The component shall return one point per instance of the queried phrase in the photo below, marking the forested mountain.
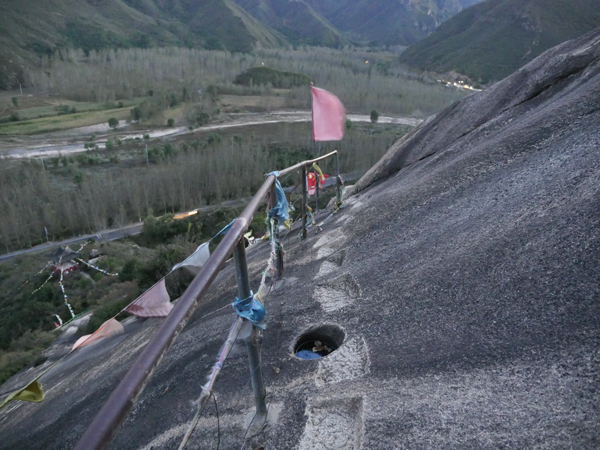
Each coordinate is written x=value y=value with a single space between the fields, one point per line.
x=388 y=22
x=496 y=37
x=332 y=22
x=30 y=28
x=296 y=20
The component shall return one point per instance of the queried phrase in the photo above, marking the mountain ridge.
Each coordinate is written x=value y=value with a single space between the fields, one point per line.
x=30 y=29
x=496 y=37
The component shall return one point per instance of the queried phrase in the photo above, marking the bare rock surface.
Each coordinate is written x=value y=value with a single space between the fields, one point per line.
x=471 y=258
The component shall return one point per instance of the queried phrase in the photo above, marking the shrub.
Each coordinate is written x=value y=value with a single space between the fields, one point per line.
x=157 y=230
x=214 y=138
x=65 y=109
x=170 y=122
x=202 y=119
x=113 y=122
x=146 y=110
x=78 y=178
x=130 y=270
x=374 y=116
x=15 y=101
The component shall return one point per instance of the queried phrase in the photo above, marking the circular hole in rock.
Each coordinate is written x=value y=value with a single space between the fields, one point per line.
x=319 y=341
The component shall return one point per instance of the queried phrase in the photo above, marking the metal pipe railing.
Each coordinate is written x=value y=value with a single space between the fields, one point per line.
x=102 y=429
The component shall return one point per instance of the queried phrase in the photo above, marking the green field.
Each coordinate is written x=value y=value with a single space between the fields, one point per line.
x=62 y=122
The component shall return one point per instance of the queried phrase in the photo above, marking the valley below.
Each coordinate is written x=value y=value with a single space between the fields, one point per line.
x=73 y=140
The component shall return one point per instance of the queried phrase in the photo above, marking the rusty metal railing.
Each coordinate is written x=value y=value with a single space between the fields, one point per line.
x=102 y=429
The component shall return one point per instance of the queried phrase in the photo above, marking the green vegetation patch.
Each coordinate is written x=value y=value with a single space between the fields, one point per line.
x=265 y=75
x=63 y=121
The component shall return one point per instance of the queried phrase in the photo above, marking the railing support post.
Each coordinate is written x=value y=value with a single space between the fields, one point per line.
x=304 y=202
x=338 y=181
x=275 y=237
x=318 y=180
x=254 y=340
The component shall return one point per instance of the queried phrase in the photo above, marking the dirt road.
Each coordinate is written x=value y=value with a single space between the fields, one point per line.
x=62 y=143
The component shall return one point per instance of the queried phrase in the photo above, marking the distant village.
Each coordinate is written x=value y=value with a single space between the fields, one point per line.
x=459 y=84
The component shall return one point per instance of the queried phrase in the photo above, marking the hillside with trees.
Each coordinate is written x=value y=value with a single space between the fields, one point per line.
x=296 y=20
x=493 y=39
x=384 y=22
x=30 y=30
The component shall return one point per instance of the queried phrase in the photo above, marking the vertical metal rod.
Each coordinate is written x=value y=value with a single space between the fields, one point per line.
x=318 y=180
x=338 y=184
x=279 y=259
x=254 y=341
x=304 y=202
x=241 y=270
x=258 y=388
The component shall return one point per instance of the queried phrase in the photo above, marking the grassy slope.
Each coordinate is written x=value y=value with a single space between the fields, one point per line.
x=491 y=40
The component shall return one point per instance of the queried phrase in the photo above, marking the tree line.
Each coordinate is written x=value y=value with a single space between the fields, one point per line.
x=362 y=79
x=97 y=190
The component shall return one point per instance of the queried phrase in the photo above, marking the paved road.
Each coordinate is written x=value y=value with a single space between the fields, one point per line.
x=107 y=235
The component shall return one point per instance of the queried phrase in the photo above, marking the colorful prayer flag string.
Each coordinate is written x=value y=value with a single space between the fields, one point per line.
x=83 y=245
x=43 y=284
x=96 y=268
x=62 y=288
x=43 y=268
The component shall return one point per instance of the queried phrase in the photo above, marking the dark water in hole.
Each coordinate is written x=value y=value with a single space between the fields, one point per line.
x=305 y=350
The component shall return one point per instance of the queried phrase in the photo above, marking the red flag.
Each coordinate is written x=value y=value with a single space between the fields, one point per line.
x=328 y=115
x=310 y=182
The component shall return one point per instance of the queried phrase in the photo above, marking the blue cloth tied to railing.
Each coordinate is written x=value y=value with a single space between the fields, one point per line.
x=280 y=210
x=250 y=309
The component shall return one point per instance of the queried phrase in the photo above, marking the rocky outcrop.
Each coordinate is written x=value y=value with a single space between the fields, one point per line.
x=564 y=79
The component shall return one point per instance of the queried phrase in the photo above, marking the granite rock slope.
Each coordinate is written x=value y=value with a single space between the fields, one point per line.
x=462 y=275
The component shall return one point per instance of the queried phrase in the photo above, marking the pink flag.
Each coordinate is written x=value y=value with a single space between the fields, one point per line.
x=155 y=302
x=109 y=328
x=328 y=115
